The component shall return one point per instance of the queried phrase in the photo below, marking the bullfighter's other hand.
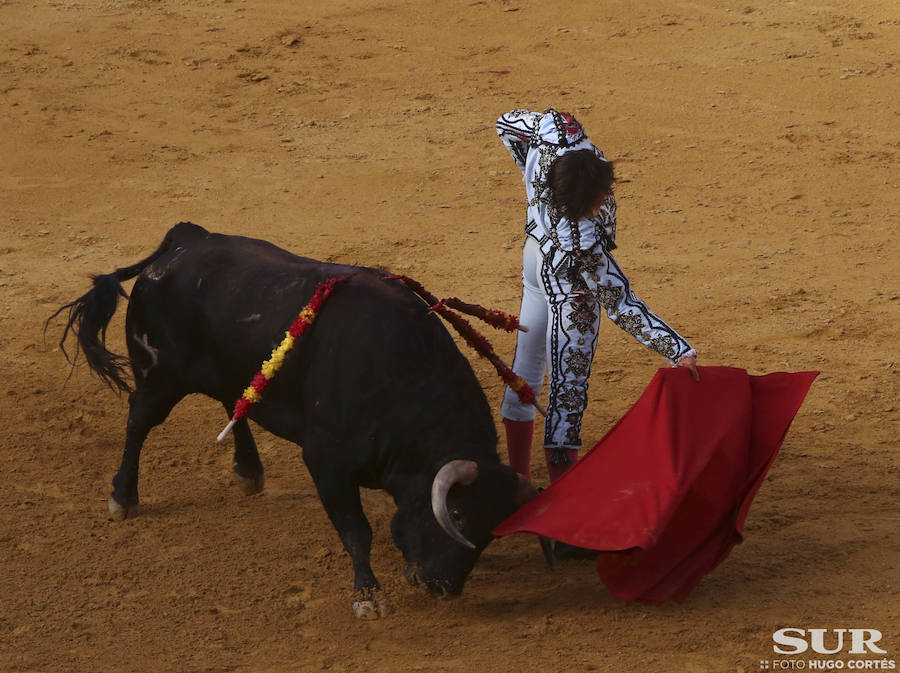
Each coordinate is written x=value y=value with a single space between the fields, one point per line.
x=689 y=361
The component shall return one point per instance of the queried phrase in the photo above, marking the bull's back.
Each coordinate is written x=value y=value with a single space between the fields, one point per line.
x=217 y=305
x=223 y=301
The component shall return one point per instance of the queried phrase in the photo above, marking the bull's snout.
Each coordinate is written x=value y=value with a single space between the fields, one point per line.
x=441 y=589
x=438 y=588
x=411 y=573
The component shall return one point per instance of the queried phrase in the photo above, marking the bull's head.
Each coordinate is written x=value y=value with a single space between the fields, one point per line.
x=441 y=543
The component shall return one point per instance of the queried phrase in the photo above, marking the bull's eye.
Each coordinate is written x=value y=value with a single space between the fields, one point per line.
x=457 y=518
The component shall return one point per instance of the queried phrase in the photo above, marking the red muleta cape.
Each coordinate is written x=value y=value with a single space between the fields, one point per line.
x=669 y=487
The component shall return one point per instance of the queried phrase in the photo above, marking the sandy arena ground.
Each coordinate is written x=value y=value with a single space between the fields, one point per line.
x=757 y=144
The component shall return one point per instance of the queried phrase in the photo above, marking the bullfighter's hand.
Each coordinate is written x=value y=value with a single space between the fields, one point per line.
x=690 y=361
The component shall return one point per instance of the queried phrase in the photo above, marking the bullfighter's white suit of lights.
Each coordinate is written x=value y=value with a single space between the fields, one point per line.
x=568 y=273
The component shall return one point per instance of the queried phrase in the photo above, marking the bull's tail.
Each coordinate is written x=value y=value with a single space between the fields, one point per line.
x=88 y=318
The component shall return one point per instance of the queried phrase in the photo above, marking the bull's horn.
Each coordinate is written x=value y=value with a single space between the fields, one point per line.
x=526 y=493
x=455 y=472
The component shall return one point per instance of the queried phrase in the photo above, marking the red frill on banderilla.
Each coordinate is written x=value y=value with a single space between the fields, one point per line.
x=479 y=343
x=253 y=393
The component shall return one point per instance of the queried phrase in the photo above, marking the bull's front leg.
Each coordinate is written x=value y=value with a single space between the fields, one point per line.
x=340 y=496
x=356 y=536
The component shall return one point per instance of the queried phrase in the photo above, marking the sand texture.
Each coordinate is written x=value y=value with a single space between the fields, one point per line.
x=757 y=147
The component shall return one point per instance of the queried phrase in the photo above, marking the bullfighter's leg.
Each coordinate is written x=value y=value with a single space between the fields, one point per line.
x=248 y=468
x=149 y=406
x=340 y=496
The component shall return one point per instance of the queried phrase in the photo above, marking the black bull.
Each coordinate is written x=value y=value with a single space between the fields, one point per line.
x=376 y=393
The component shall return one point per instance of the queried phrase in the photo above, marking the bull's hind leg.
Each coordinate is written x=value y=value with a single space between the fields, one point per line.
x=248 y=468
x=149 y=406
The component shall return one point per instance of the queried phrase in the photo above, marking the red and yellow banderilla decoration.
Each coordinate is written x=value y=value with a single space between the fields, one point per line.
x=253 y=392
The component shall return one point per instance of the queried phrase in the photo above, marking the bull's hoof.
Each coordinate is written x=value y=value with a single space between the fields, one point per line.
x=119 y=512
x=411 y=573
x=374 y=608
x=251 y=485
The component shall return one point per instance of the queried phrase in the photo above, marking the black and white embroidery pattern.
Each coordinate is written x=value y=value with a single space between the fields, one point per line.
x=515 y=129
x=578 y=274
x=590 y=264
x=573 y=397
x=573 y=433
x=578 y=362
x=664 y=345
x=631 y=323
x=608 y=296
x=542 y=174
x=583 y=316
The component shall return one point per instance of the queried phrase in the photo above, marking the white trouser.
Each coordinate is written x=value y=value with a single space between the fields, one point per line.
x=562 y=322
